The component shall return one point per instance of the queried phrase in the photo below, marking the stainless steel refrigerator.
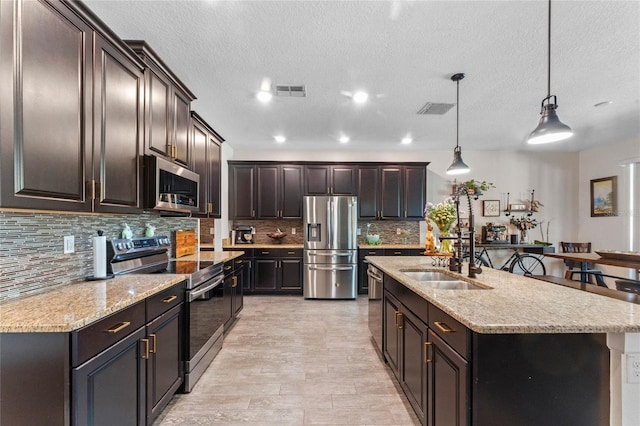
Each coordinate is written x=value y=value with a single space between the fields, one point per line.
x=330 y=250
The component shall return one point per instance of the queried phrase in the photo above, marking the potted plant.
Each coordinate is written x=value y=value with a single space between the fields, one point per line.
x=477 y=187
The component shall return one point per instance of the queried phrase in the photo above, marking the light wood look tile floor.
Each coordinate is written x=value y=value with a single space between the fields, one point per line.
x=290 y=361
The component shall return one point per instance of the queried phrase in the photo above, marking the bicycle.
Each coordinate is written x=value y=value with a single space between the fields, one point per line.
x=518 y=263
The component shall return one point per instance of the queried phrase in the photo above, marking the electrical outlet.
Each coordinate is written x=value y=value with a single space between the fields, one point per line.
x=69 y=244
x=212 y=231
x=293 y=231
x=397 y=231
x=633 y=368
x=358 y=231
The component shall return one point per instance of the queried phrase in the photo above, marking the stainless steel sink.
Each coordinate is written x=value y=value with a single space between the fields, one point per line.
x=441 y=280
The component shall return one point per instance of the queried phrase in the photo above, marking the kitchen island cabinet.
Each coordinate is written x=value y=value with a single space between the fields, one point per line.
x=488 y=357
x=114 y=357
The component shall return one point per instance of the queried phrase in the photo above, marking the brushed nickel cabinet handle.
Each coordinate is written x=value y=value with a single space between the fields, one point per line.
x=169 y=299
x=427 y=359
x=118 y=327
x=444 y=327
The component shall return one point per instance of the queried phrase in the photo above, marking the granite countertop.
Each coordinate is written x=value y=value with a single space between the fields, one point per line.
x=72 y=306
x=516 y=304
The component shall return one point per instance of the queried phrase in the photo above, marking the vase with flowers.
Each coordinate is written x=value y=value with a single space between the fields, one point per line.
x=443 y=215
x=523 y=224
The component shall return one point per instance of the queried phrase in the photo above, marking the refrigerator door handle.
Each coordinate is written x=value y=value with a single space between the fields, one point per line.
x=330 y=268
x=329 y=230
x=344 y=253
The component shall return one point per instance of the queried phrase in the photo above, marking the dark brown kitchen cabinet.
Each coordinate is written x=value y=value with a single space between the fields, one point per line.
x=277 y=271
x=392 y=191
x=118 y=129
x=46 y=99
x=119 y=370
x=206 y=161
x=232 y=292
x=265 y=191
x=330 y=179
x=167 y=107
x=242 y=190
x=454 y=376
x=279 y=191
x=71 y=99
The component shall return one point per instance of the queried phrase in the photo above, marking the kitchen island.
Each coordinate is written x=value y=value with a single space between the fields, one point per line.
x=513 y=351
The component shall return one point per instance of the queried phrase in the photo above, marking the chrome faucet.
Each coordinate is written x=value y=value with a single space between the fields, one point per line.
x=455 y=264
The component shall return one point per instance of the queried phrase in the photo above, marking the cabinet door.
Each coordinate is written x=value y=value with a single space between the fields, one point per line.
x=157 y=95
x=214 y=156
x=392 y=321
x=117 y=122
x=291 y=274
x=241 y=196
x=265 y=274
x=200 y=162
x=45 y=99
x=247 y=279
x=317 y=180
x=343 y=180
x=413 y=366
x=164 y=367
x=368 y=192
x=291 y=192
x=448 y=402
x=227 y=298
x=181 y=120
x=267 y=192
x=391 y=192
x=110 y=389
x=415 y=184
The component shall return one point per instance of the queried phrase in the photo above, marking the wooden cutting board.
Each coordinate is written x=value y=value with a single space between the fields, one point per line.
x=186 y=242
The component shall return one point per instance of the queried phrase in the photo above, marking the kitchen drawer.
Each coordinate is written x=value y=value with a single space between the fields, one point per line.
x=277 y=252
x=450 y=330
x=161 y=302
x=362 y=253
x=88 y=341
x=397 y=252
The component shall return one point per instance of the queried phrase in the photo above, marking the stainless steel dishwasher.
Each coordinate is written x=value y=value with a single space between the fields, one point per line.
x=374 y=278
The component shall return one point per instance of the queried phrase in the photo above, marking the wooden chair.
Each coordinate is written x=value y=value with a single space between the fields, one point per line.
x=574 y=267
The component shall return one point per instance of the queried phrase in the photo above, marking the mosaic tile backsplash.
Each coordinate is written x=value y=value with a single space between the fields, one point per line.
x=387 y=229
x=31 y=246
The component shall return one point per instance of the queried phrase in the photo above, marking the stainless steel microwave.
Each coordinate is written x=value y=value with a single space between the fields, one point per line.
x=170 y=187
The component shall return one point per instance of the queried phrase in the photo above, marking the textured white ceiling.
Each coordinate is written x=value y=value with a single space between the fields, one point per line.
x=403 y=53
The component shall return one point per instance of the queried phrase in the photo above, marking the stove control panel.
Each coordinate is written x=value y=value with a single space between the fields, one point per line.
x=137 y=246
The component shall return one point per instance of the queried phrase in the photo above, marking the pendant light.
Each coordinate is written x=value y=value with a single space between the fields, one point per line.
x=458 y=166
x=550 y=129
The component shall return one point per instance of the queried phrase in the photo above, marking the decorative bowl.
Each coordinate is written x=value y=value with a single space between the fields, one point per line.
x=276 y=236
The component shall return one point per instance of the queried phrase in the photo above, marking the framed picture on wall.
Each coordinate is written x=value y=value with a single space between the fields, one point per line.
x=491 y=208
x=604 y=196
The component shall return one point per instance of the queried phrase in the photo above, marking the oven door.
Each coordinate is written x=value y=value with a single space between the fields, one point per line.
x=205 y=319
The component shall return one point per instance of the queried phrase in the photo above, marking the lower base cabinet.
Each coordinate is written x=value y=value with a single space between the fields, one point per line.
x=120 y=370
x=454 y=376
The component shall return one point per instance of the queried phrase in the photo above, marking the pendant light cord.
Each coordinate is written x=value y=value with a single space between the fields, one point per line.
x=457 y=111
x=549 y=53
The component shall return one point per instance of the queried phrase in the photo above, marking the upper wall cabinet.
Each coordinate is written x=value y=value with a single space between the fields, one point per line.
x=392 y=191
x=167 y=108
x=334 y=179
x=265 y=191
x=69 y=128
x=206 y=161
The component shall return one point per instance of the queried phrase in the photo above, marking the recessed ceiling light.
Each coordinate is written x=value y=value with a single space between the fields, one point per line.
x=360 y=97
x=406 y=140
x=264 y=96
x=280 y=138
x=344 y=139
x=602 y=104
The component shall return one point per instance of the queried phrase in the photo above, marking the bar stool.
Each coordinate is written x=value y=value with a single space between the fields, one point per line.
x=572 y=265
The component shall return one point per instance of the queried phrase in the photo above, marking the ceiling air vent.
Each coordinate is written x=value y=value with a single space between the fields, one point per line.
x=432 y=108
x=296 y=91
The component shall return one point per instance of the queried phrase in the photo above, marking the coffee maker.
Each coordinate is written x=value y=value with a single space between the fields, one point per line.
x=244 y=234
